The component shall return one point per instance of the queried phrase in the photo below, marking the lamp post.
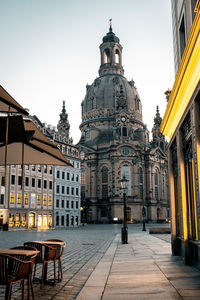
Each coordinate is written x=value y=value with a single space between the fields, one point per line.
x=124 y=232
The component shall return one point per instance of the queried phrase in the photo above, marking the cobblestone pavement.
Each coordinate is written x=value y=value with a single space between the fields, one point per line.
x=85 y=248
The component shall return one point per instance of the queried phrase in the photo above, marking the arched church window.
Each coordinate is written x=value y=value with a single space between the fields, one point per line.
x=141 y=182
x=104 y=174
x=125 y=171
x=117 y=60
x=156 y=185
x=106 y=56
x=82 y=176
x=124 y=131
x=137 y=103
x=104 y=180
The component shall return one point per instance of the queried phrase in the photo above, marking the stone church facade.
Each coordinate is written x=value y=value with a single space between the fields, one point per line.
x=115 y=142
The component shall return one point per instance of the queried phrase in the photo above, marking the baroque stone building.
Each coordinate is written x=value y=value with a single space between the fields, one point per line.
x=115 y=142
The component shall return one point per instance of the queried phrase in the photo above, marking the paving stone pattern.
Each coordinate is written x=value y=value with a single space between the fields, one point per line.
x=85 y=247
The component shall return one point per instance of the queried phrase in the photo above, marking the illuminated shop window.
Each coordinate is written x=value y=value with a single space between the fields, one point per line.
x=12 y=197
x=26 y=199
x=50 y=200
x=19 y=198
x=38 y=199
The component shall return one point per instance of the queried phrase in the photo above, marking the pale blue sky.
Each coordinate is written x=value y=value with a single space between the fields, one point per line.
x=50 y=51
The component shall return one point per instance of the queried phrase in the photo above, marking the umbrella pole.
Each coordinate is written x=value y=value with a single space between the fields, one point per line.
x=6 y=149
x=22 y=182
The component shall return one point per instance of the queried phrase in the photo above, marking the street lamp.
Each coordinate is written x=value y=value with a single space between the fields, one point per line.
x=124 y=233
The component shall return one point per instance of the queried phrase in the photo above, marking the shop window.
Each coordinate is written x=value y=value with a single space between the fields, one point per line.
x=50 y=220
x=26 y=199
x=12 y=197
x=19 y=198
x=38 y=199
x=11 y=221
x=17 y=220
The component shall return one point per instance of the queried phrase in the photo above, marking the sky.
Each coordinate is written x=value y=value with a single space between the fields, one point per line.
x=50 y=51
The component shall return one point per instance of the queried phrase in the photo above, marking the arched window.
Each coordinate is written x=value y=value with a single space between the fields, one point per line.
x=125 y=171
x=106 y=56
x=124 y=131
x=141 y=182
x=104 y=174
x=156 y=185
x=104 y=179
x=117 y=60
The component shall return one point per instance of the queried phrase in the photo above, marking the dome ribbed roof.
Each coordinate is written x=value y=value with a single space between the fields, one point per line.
x=110 y=37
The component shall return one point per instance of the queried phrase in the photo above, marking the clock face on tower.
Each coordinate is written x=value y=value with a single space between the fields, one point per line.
x=123 y=118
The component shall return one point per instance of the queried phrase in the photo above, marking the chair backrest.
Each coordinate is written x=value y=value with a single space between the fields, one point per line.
x=15 y=267
x=36 y=246
x=46 y=252
x=60 y=249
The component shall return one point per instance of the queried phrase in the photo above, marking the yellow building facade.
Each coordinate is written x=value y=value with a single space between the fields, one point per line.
x=181 y=124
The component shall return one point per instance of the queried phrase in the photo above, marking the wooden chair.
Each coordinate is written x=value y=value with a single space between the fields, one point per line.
x=30 y=258
x=13 y=270
x=60 y=251
x=46 y=254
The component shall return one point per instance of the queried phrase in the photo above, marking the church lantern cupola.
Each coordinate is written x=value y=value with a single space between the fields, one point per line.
x=111 y=54
x=63 y=124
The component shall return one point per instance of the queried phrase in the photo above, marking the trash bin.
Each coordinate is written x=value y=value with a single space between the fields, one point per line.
x=5 y=227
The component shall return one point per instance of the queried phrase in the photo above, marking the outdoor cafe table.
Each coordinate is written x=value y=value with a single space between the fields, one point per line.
x=18 y=252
